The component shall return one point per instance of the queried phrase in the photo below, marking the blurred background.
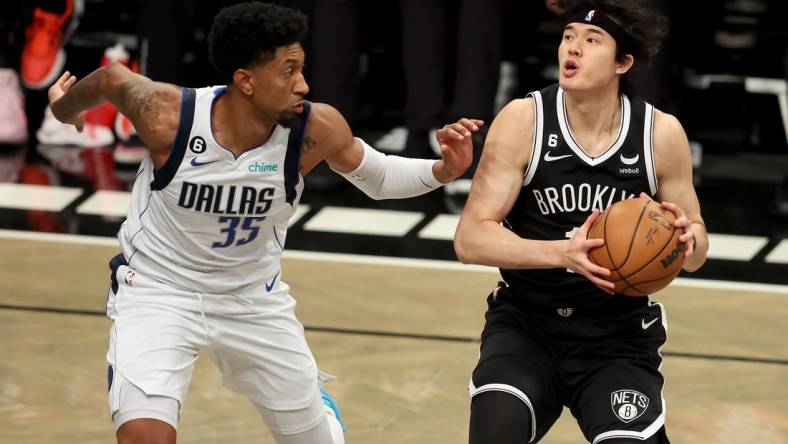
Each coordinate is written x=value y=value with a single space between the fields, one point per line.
x=397 y=70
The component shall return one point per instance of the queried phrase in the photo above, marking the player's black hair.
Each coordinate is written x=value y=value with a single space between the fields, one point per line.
x=644 y=27
x=247 y=34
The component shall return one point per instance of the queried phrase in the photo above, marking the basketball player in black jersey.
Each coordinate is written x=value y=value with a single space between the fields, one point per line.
x=555 y=334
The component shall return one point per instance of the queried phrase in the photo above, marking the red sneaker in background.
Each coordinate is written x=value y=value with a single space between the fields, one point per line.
x=43 y=57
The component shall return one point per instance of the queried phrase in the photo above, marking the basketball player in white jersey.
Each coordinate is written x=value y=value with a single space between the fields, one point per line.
x=201 y=246
x=555 y=334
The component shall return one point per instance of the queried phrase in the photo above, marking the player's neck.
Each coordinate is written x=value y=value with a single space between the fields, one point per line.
x=236 y=125
x=594 y=114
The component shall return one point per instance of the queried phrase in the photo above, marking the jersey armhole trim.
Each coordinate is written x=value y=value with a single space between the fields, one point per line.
x=163 y=176
x=293 y=156
x=536 y=148
x=648 y=149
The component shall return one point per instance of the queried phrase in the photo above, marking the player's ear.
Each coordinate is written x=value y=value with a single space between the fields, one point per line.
x=243 y=79
x=624 y=64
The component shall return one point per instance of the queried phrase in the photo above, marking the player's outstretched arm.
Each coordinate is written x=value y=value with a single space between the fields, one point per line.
x=676 y=190
x=480 y=237
x=153 y=107
x=378 y=175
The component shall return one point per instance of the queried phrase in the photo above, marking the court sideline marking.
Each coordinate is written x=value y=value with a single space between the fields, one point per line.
x=389 y=261
x=359 y=259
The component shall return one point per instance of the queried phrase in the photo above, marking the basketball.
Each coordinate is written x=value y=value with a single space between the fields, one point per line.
x=642 y=248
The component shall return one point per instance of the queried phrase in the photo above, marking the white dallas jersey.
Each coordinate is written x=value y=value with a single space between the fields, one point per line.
x=207 y=221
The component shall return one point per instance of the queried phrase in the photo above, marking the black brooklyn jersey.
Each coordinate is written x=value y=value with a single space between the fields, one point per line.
x=563 y=184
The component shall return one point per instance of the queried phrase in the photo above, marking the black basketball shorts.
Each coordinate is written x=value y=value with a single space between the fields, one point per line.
x=604 y=366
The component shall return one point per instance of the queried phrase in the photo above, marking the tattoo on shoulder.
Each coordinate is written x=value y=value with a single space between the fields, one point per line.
x=142 y=105
x=309 y=144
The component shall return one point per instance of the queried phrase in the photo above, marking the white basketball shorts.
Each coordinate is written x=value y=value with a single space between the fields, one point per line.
x=256 y=341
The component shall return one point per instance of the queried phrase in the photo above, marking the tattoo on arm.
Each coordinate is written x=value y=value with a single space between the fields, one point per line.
x=91 y=82
x=139 y=105
x=82 y=96
x=309 y=144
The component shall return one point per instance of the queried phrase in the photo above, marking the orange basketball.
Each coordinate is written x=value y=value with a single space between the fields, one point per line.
x=642 y=248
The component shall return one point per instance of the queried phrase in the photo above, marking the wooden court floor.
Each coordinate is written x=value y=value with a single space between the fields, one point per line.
x=392 y=389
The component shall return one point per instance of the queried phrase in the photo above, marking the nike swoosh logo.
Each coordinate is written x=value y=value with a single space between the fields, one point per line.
x=269 y=287
x=629 y=160
x=550 y=158
x=195 y=163
x=646 y=325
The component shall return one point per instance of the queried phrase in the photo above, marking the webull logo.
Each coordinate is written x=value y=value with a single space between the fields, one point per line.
x=629 y=171
x=673 y=255
x=262 y=167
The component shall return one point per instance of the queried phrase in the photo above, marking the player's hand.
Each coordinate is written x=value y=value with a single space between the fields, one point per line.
x=576 y=256
x=682 y=222
x=57 y=91
x=456 y=148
